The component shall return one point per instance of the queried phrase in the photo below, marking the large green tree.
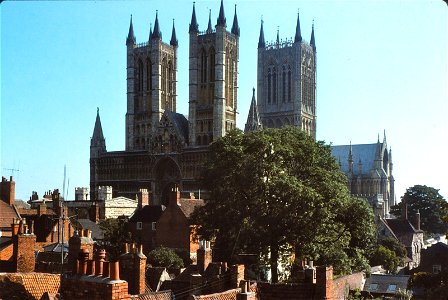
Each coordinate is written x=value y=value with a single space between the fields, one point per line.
x=278 y=189
x=116 y=234
x=432 y=206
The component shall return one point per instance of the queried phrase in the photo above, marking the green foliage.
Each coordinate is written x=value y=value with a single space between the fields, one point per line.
x=116 y=234
x=403 y=295
x=278 y=187
x=385 y=257
x=432 y=206
x=394 y=245
x=165 y=257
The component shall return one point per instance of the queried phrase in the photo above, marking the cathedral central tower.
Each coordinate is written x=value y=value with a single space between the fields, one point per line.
x=213 y=74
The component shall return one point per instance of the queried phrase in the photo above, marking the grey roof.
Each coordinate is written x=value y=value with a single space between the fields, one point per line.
x=180 y=123
x=97 y=232
x=364 y=152
x=379 y=284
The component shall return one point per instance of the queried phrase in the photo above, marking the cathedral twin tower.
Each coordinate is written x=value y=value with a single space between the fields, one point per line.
x=286 y=82
x=164 y=148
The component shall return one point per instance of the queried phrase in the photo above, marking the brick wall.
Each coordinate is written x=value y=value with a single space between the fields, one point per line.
x=344 y=284
x=86 y=287
x=23 y=252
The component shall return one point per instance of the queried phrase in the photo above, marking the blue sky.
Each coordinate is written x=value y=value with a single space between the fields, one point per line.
x=382 y=65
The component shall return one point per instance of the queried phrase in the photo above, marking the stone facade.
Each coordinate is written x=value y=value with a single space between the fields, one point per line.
x=286 y=82
x=368 y=168
x=163 y=148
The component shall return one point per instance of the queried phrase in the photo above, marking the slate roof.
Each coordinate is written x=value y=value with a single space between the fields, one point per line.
x=7 y=214
x=147 y=214
x=189 y=205
x=180 y=124
x=97 y=232
x=364 y=152
x=155 y=276
x=381 y=284
x=5 y=242
x=401 y=227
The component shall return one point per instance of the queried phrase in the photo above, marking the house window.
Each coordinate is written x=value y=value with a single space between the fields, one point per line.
x=436 y=269
x=392 y=288
x=139 y=225
x=373 y=286
x=153 y=226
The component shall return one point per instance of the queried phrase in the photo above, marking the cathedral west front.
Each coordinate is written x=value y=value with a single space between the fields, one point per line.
x=165 y=149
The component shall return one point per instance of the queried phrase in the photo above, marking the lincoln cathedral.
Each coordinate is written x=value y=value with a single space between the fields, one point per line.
x=164 y=148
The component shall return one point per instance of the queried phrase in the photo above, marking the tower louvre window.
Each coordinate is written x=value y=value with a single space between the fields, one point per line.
x=140 y=76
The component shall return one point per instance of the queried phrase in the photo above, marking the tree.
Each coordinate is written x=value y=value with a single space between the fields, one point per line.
x=277 y=188
x=385 y=257
x=164 y=257
x=116 y=234
x=432 y=206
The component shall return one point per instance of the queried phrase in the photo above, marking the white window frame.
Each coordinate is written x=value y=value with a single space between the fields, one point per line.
x=139 y=225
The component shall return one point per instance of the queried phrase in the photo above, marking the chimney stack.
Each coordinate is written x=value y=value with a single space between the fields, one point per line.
x=143 y=198
x=417 y=220
x=174 y=196
x=7 y=190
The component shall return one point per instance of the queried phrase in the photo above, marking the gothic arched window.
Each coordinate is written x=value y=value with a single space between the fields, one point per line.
x=269 y=86
x=203 y=67
x=148 y=75
x=212 y=64
x=140 y=76
x=283 y=84
x=289 y=84
x=274 y=86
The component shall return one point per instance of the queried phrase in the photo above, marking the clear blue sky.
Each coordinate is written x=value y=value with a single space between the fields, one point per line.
x=382 y=65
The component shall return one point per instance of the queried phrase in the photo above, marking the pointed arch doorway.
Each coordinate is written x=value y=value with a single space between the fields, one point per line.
x=167 y=176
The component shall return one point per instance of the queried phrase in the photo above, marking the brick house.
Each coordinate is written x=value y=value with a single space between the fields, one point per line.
x=8 y=211
x=174 y=229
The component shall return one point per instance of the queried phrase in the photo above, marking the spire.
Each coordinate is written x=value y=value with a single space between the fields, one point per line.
x=156 y=33
x=235 y=28
x=384 y=137
x=253 y=118
x=150 y=31
x=261 y=43
x=278 y=35
x=313 y=42
x=221 y=18
x=173 y=41
x=97 y=139
x=298 y=37
x=130 y=40
x=194 y=24
x=209 y=27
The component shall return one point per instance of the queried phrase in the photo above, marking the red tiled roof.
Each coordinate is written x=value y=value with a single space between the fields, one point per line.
x=29 y=284
x=189 y=205
x=165 y=295
x=7 y=214
x=227 y=295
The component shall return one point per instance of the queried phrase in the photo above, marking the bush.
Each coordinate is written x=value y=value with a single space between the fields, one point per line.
x=164 y=257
